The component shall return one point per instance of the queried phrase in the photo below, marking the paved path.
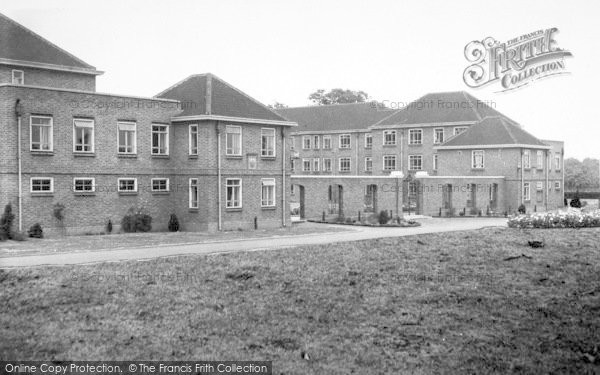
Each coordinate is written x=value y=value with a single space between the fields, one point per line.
x=358 y=233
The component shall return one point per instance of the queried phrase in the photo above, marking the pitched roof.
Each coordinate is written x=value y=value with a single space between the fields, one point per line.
x=493 y=130
x=19 y=45
x=336 y=116
x=207 y=94
x=443 y=107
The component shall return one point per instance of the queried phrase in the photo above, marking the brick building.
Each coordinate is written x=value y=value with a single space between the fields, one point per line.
x=201 y=149
x=443 y=154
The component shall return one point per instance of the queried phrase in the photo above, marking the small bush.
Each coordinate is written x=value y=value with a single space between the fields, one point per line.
x=35 y=231
x=136 y=220
x=173 y=223
x=109 y=226
x=19 y=236
x=575 y=203
x=384 y=217
x=6 y=223
x=522 y=210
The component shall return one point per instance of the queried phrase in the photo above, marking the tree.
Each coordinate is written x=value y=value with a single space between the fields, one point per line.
x=277 y=105
x=581 y=175
x=338 y=96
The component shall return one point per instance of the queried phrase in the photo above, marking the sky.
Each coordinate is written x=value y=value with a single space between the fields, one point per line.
x=396 y=51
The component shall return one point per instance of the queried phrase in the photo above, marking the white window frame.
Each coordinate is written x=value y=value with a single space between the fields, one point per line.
x=473 y=154
x=167 y=188
x=458 y=129
x=134 y=143
x=340 y=164
x=193 y=196
x=390 y=157
x=50 y=133
x=227 y=186
x=135 y=185
x=526 y=188
x=264 y=152
x=51 y=179
x=344 y=136
x=327 y=145
x=193 y=136
x=368 y=164
x=557 y=161
x=316 y=165
x=436 y=141
x=167 y=136
x=539 y=159
x=22 y=77
x=369 y=141
x=539 y=186
x=76 y=179
x=304 y=161
x=271 y=183
x=526 y=159
x=556 y=185
x=327 y=167
x=435 y=162
x=89 y=123
x=305 y=145
x=392 y=141
x=316 y=142
x=410 y=136
x=415 y=157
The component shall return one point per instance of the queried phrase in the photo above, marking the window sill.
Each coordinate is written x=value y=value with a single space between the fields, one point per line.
x=233 y=209
x=84 y=154
x=160 y=156
x=42 y=153
x=345 y=148
x=345 y=171
x=84 y=193
x=415 y=144
x=128 y=192
x=161 y=192
x=127 y=156
x=477 y=169
x=268 y=208
x=233 y=156
x=42 y=194
x=390 y=145
x=193 y=210
x=192 y=156
x=268 y=157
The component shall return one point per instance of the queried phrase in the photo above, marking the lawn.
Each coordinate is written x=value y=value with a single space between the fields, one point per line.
x=461 y=302
x=95 y=242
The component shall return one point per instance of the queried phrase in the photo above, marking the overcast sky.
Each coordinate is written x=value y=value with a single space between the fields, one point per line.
x=284 y=50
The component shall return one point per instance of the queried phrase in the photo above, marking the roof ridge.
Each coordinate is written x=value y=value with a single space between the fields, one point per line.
x=179 y=83
x=508 y=130
x=36 y=35
x=332 y=105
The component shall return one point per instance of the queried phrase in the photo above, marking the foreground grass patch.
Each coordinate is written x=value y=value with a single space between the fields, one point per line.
x=439 y=303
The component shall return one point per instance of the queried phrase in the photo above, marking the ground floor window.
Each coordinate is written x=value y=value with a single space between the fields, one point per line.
x=344 y=164
x=268 y=192
x=193 y=194
x=160 y=184
x=42 y=185
x=234 y=193
x=83 y=184
x=127 y=185
x=389 y=162
x=526 y=191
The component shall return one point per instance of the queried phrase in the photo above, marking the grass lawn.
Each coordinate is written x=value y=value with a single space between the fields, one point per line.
x=460 y=302
x=130 y=240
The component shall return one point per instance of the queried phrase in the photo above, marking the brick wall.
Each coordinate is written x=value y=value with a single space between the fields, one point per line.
x=50 y=78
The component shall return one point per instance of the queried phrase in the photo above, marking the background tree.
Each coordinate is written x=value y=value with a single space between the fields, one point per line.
x=338 y=96
x=277 y=105
x=581 y=174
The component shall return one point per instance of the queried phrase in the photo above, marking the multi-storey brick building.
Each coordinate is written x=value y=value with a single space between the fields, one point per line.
x=201 y=149
x=442 y=154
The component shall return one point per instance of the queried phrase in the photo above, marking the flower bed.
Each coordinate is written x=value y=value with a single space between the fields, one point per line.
x=561 y=219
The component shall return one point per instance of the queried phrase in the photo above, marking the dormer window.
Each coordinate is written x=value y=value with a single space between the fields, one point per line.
x=18 y=77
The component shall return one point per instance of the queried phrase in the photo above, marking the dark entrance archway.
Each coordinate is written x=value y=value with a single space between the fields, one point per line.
x=335 y=196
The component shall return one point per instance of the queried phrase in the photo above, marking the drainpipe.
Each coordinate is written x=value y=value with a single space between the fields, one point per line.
x=219 y=199
x=547 y=178
x=523 y=179
x=284 y=211
x=19 y=113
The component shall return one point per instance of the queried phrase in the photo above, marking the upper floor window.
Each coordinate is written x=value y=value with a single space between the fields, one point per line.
x=540 y=159
x=415 y=162
x=459 y=129
x=557 y=161
x=389 y=162
x=18 y=77
x=41 y=185
x=267 y=198
x=415 y=136
x=305 y=165
x=435 y=162
x=368 y=164
x=438 y=136
x=127 y=137
x=389 y=137
x=477 y=159
x=160 y=140
x=316 y=142
x=526 y=159
x=557 y=185
x=40 y=133
x=368 y=140
x=327 y=165
x=267 y=136
x=316 y=164
x=345 y=141
x=306 y=142
x=234 y=193
x=84 y=185
x=83 y=135
x=326 y=142
x=193 y=142
x=293 y=142
x=344 y=165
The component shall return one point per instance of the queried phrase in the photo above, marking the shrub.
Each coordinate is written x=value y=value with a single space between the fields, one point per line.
x=136 y=220
x=35 y=231
x=522 y=209
x=6 y=222
x=575 y=202
x=569 y=219
x=384 y=217
x=173 y=223
x=19 y=236
x=109 y=226
x=349 y=220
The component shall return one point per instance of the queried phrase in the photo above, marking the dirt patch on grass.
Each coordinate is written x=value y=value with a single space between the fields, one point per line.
x=437 y=303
